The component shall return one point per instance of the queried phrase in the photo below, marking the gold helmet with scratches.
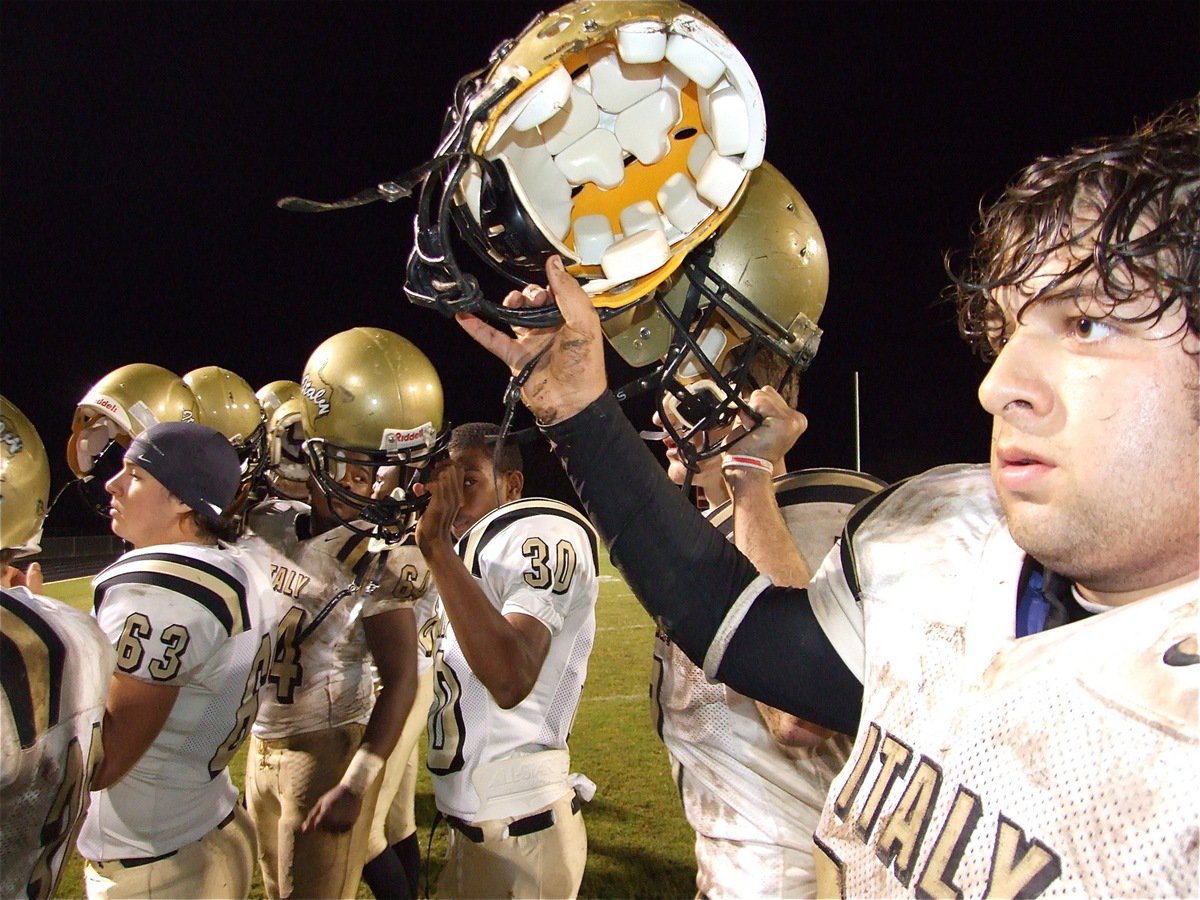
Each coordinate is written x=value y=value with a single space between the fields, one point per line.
x=741 y=312
x=617 y=134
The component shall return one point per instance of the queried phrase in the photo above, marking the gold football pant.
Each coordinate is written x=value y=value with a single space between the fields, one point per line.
x=284 y=780
x=486 y=861
x=220 y=864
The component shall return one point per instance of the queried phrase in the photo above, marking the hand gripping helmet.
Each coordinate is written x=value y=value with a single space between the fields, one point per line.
x=227 y=403
x=616 y=133
x=287 y=469
x=371 y=398
x=741 y=312
x=118 y=408
x=24 y=483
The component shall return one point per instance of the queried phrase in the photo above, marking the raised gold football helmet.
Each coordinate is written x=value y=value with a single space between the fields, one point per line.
x=371 y=398
x=227 y=403
x=287 y=468
x=615 y=133
x=745 y=302
x=116 y=409
x=24 y=483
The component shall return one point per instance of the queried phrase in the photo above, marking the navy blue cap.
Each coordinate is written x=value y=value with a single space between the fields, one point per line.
x=194 y=462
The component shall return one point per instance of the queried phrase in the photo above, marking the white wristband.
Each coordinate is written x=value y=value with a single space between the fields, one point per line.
x=364 y=768
x=738 y=461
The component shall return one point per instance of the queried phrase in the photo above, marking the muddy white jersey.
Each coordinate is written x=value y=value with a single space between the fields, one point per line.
x=56 y=666
x=326 y=586
x=1065 y=762
x=532 y=556
x=200 y=618
x=743 y=794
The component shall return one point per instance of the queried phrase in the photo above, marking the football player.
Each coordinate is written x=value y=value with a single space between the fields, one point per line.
x=517 y=582
x=752 y=778
x=371 y=399
x=192 y=620
x=983 y=636
x=55 y=665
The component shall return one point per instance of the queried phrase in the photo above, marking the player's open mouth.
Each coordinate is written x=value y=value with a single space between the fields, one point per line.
x=1017 y=470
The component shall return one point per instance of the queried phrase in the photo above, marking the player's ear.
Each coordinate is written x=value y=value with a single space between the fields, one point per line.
x=514 y=483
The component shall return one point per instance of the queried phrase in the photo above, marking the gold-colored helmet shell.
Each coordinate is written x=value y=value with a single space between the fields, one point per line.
x=370 y=389
x=226 y=402
x=627 y=138
x=771 y=250
x=24 y=482
x=126 y=402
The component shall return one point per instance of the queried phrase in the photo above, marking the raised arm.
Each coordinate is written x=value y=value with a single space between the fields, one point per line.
x=762 y=641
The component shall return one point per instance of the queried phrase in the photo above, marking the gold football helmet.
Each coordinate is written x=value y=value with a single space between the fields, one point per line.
x=371 y=398
x=114 y=411
x=287 y=469
x=615 y=134
x=227 y=403
x=748 y=299
x=24 y=483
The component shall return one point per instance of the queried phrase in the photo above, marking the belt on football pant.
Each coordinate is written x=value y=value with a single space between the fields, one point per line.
x=517 y=828
x=146 y=860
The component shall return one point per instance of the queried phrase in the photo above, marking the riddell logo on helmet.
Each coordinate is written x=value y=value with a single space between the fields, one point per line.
x=397 y=439
x=316 y=396
x=105 y=403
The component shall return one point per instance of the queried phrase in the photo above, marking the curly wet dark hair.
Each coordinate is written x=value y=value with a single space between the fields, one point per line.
x=1126 y=208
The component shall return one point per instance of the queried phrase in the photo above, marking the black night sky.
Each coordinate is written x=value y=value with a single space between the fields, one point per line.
x=143 y=146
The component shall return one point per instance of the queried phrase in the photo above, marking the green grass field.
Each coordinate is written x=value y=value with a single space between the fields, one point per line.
x=638 y=842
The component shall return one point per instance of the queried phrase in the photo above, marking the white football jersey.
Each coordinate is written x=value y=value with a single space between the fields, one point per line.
x=326 y=585
x=201 y=618
x=532 y=556
x=1065 y=762
x=746 y=797
x=56 y=666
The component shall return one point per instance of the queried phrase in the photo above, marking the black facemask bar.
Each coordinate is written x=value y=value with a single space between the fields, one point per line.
x=386 y=518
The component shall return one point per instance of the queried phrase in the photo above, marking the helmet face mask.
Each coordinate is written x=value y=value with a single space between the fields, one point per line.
x=371 y=399
x=389 y=517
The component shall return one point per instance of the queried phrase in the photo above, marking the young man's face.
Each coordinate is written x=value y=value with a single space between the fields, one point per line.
x=479 y=489
x=144 y=513
x=709 y=479
x=1095 y=439
x=358 y=479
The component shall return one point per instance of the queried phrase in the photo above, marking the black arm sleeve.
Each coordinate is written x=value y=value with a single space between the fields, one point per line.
x=685 y=573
